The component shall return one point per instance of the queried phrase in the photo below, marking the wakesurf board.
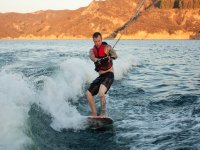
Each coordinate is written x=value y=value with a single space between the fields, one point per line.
x=97 y=122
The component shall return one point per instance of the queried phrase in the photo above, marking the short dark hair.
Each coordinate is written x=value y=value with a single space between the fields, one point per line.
x=104 y=43
x=96 y=34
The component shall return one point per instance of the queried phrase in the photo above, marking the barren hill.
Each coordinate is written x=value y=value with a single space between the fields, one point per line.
x=106 y=16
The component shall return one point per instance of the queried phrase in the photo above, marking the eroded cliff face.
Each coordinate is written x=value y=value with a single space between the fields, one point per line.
x=165 y=24
x=106 y=17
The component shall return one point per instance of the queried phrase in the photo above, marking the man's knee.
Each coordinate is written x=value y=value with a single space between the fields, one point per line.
x=101 y=94
x=102 y=90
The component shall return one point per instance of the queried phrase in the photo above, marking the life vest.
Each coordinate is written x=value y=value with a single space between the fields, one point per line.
x=99 y=53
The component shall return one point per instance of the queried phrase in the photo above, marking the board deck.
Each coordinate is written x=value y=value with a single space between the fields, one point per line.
x=99 y=122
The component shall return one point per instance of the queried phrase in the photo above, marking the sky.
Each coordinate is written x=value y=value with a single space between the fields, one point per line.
x=24 y=6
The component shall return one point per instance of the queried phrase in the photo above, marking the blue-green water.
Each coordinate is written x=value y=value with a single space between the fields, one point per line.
x=154 y=100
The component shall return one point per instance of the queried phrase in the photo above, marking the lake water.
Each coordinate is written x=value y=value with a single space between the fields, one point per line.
x=154 y=100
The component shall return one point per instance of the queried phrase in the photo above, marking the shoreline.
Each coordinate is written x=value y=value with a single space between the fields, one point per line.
x=140 y=35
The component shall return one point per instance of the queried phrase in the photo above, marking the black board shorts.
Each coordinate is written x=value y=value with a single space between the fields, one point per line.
x=105 y=79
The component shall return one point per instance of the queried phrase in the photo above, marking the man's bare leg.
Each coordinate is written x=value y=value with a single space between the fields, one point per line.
x=102 y=91
x=103 y=106
x=90 y=99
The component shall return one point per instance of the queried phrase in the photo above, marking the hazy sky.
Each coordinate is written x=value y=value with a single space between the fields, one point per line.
x=34 y=5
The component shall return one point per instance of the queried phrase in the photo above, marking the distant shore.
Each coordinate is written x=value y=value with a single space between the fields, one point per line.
x=141 y=35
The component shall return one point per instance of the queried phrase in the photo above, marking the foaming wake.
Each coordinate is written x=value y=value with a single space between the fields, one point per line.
x=15 y=99
x=123 y=64
x=67 y=84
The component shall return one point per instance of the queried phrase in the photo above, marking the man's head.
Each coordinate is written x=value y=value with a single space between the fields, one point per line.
x=97 y=38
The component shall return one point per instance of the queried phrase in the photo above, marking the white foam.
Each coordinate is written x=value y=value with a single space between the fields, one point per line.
x=67 y=84
x=123 y=64
x=15 y=98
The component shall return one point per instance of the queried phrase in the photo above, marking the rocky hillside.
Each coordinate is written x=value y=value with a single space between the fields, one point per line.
x=157 y=20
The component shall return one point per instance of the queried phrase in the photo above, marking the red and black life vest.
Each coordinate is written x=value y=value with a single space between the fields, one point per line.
x=99 y=53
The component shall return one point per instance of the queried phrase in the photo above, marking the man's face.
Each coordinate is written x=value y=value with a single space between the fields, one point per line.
x=97 y=41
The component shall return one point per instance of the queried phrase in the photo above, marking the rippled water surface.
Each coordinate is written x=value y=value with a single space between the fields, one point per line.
x=154 y=100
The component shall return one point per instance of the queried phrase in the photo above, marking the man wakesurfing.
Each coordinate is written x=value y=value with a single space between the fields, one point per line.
x=102 y=55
